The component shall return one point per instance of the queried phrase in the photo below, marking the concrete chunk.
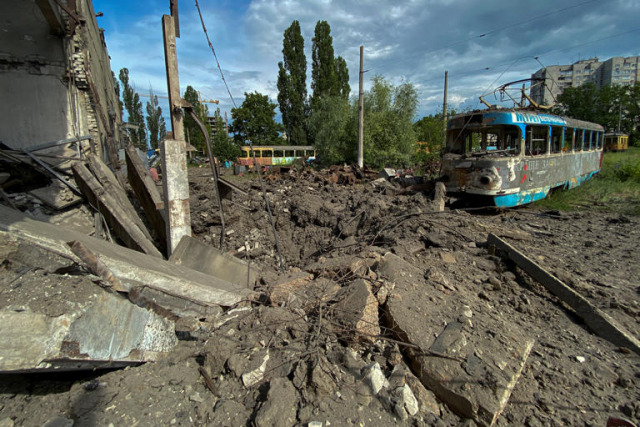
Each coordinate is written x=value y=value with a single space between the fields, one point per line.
x=473 y=366
x=357 y=310
x=288 y=285
x=107 y=332
x=132 y=268
x=204 y=258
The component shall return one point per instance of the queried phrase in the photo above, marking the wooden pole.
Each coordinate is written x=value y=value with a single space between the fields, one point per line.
x=174 y=163
x=361 y=110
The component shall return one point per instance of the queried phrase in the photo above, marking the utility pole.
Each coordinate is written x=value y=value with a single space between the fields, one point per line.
x=361 y=110
x=444 y=105
x=175 y=182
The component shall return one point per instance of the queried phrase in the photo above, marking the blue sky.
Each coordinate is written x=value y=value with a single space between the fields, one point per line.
x=481 y=44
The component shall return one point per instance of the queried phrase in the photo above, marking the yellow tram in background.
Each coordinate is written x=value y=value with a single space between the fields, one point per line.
x=616 y=141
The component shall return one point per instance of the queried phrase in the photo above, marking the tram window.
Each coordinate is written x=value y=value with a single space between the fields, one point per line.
x=536 y=140
x=511 y=140
x=556 y=139
x=579 y=138
x=587 y=140
x=267 y=153
x=598 y=140
x=474 y=141
x=567 y=143
x=278 y=153
x=289 y=153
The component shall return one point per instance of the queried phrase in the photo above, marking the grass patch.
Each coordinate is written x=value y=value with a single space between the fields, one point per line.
x=615 y=189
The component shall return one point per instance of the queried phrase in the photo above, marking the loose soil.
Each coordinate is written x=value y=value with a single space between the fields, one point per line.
x=310 y=367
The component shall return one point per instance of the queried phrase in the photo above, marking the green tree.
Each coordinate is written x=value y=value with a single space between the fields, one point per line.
x=223 y=147
x=137 y=131
x=342 y=73
x=192 y=132
x=292 y=85
x=333 y=126
x=324 y=79
x=389 y=138
x=254 y=120
x=116 y=87
x=155 y=121
x=615 y=107
x=430 y=129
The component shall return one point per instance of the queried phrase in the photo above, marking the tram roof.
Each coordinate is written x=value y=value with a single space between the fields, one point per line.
x=523 y=116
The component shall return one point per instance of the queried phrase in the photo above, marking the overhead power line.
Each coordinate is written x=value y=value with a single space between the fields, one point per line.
x=495 y=30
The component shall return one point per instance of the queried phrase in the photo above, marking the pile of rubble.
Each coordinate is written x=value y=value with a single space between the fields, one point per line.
x=378 y=306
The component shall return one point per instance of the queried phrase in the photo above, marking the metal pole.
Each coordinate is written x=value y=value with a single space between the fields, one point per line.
x=361 y=111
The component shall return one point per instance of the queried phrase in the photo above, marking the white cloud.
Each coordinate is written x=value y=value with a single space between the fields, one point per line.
x=412 y=39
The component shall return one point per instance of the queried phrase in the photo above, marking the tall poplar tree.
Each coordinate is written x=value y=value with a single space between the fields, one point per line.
x=342 y=73
x=292 y=85
x=324 y=79
x=192 y=132
x=155 y=121
x=133 y=105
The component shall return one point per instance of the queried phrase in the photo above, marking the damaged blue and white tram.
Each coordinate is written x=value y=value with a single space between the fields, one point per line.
x=515 y=156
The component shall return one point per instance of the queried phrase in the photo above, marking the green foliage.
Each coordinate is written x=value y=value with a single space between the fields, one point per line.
x=430 y=129
x=329 y=75
x=324 y=80
x=192 y=132
x=116 y=88
x=292 y=85
x=255 y=121
x=332 y=125
x=223 y=147
x=155 y=122
x=133 y=105
x=342 y=73
x=615 y=107
x=389 y=138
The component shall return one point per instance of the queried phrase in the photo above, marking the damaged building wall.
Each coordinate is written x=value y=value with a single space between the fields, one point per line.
x=55 y=70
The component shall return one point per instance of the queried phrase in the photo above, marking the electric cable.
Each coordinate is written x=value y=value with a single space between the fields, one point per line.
x=255 y=162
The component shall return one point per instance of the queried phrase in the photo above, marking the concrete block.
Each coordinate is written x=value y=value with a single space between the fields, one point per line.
x=473 y=366
x=132 y=268
x=357 y=310
x=288 y=285
x=196 y=255
x=387 y=173
x=107 y=332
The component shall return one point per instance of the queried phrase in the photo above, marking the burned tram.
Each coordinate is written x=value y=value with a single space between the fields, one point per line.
x=516 y=156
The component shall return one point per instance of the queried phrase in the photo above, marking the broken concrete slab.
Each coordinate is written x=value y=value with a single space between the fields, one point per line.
x=357 y=310
x=106 y=332
x=194 y=254
x=118 y=217
x=345 y=267
x=387 y=173
x=132 y=268
x=280 y=408
x=57 y=196
x=288 y=285
x=472 y=366
x=110 y=182
x=598 y=321
x=147 y=193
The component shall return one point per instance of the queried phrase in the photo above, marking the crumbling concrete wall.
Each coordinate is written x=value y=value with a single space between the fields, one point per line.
x=55 y=75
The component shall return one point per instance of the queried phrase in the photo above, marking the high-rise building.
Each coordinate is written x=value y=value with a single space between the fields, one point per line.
x=616 y=70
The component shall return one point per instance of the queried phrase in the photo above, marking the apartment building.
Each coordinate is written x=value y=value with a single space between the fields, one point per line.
x=616 y=70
